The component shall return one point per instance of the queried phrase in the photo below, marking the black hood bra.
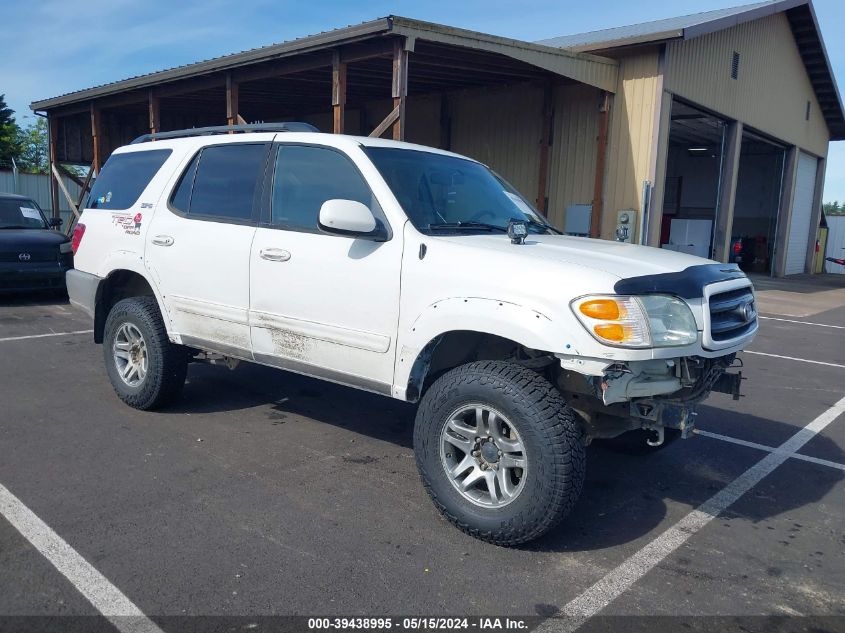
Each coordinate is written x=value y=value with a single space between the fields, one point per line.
x=11 y=239
x=687 y=284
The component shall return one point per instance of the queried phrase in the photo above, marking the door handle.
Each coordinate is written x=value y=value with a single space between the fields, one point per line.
x=274 y=254
x=162 y=240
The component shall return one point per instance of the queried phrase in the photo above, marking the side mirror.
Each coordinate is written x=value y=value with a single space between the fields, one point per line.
x=348 y=217
x=56 y=223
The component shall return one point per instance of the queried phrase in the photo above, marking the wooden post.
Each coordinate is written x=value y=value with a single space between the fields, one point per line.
x=445 y=123
x=400 y=87
x=96 y=129
x=601 y=157
x=231 y=100
x=155 y=113
x=338 y=92
x=53 y=131
x=545 y=142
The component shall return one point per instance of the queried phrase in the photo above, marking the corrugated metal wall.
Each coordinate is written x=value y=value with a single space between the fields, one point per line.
x=631 y=139
x=37 y=187
x=835 y=243
x=772 y=88
x=573 y=151
x=502 y=129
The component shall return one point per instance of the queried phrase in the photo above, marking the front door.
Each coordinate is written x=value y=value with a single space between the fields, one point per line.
x=198 y=246
x=322 y=304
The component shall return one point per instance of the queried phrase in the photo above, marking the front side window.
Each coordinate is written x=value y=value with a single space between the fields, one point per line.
x=16 y=213
x=225 y=182
x=305 y=177
x=124 y=178
x=442 y=193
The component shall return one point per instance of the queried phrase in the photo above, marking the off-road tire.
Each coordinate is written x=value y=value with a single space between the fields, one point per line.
x=167 y=362
x=550 y=432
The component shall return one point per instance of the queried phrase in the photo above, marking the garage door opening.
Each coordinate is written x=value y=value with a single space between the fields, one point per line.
x=693 y=168
x=758 y=192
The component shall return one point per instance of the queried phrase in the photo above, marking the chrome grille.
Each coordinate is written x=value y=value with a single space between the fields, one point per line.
x=732 y=314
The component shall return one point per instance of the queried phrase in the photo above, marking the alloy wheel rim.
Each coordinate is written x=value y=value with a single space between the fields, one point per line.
x=483 y=456
x=130 y=355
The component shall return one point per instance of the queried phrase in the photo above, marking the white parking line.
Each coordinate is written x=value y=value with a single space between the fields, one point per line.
x=620 y=579
x=23 y=338
x=769 y=449
x=96 y=588
x=838 y=327
x=800 y=360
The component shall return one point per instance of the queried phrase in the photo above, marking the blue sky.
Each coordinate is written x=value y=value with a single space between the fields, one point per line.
x=59 y=47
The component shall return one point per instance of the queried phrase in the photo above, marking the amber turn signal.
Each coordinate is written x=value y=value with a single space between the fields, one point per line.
x=602 y=309
x=610 y=331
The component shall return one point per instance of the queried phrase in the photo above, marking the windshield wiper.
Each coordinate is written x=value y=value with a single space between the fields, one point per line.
x=468 y=226
x=540 y=225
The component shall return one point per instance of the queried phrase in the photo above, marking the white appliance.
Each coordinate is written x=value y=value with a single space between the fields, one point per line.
x=690 y=236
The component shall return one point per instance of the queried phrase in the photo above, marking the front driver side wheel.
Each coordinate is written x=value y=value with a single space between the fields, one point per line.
x=146 y=370
x=499 y=451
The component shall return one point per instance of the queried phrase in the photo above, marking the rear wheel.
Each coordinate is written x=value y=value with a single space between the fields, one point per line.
x=144 y=367
x=499 y=452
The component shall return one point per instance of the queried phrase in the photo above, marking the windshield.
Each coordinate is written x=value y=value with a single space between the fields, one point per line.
x=448 y=194
x=21 y=213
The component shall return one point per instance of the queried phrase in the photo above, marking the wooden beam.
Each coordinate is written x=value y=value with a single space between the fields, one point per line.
x=445 y=122
x=59 y=180
x=64 y=171
x=231 y=100
x=155 y=112
x=96 y=129
x=545 y=141
x=53 y=131
x=338 y=92
x=399 y=87
x=389 y=120
x=601 y=159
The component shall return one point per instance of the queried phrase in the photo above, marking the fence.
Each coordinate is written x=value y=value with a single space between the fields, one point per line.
x=37 y=187
x=835 y=243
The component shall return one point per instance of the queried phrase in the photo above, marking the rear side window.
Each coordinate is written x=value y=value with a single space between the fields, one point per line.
x=124 y=178
x=305 y=177
x=221 y=182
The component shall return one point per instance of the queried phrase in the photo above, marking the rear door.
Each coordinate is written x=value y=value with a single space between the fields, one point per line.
x=198 y=246
x=321 y=304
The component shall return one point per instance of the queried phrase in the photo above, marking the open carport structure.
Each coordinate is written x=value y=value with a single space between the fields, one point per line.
x=423 y=82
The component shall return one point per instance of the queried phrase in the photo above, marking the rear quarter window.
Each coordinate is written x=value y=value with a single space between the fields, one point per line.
x=124 y=177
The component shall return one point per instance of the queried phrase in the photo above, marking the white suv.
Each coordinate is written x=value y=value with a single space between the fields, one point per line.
x=414 y=273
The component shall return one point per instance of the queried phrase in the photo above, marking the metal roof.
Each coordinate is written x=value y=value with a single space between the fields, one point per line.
x=802 y=18
x=590 y=69
x=657 y=30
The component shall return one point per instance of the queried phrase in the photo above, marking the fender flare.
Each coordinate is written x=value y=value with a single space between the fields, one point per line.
x=508 y=320
x=130 y=262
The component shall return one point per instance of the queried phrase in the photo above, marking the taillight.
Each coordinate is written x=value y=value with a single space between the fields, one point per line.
x=78 y=232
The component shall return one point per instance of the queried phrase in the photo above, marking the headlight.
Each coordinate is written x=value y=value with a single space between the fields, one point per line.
x=643 y=321
x=66 y=247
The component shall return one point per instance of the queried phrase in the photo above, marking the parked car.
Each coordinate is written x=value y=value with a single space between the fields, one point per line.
x=413 y=273
x=33 y=256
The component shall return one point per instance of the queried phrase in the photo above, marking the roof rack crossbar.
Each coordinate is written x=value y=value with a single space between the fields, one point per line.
x=289 y=126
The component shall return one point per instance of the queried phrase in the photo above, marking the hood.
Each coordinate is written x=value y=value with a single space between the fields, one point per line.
x=35 y=239
x=615 y=258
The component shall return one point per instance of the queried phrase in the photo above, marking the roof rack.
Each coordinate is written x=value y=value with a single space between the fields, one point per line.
x=290 y=126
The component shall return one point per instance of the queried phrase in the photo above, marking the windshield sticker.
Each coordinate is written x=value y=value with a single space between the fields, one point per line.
x=520 y=203
x=105 y=198
x=129 y=224
x=32 y=214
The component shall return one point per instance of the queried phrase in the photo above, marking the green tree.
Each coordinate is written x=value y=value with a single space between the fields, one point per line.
x=8 y=133
x=33 y=156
